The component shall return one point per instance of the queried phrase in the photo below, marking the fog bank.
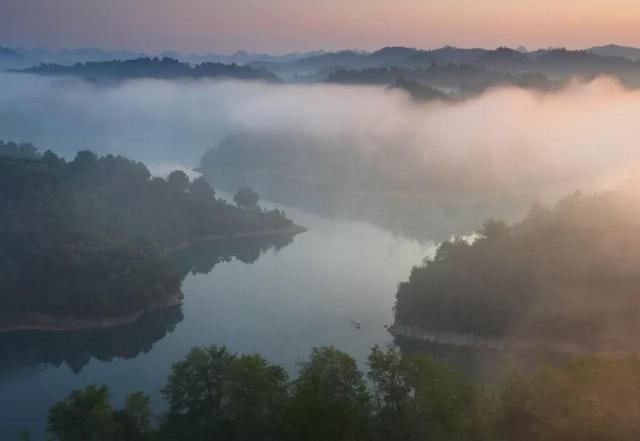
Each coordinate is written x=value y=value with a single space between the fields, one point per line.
x=504 y=141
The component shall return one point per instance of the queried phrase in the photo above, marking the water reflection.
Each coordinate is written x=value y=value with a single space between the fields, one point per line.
x=202 y=257
x=75 y=349
x=24 y=353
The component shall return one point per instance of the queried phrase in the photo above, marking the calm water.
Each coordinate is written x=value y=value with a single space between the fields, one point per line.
x=272 y=297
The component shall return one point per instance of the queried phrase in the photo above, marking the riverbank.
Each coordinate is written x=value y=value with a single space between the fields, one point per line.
x=445 y=338
x=291 y=230
x=43 y=322
x=608 y=347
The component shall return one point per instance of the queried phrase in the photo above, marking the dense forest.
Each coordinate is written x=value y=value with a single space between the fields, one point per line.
x=86 y=238
x=464 y=80
x=156 y=68
x=555 y=63
x=75 y=349
x=566 y=275
x=214 y=394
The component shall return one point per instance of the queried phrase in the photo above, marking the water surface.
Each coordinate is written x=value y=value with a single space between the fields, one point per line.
x=277 y=297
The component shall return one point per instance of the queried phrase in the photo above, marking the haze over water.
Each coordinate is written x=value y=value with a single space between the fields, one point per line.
x=312 y=291
x=308 y=293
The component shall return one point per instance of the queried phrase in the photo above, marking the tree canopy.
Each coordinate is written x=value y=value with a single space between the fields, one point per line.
x=214 y=394
x=86 y=238
x=155 y=68
x=564 y=276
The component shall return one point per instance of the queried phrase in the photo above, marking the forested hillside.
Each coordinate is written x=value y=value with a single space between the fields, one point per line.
x=566 y=275
x=86 y=238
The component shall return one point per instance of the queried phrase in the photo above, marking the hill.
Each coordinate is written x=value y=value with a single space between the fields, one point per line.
x=614 y=50
x=83 y=242
x=155 y=68
x=564 y=277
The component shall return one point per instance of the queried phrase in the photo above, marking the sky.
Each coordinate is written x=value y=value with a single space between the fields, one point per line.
x=280 y=26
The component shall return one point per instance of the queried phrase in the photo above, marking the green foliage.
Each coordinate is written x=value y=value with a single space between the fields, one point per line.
x=23 y=151
x=419 y=398
x=215 y=395
x=195 y=392
x=138 y=410
x=159 y=68
x=596 y=399
x=330 y=399
x=565 y=276
x=86 y=238
x=246 y=198
x=85 y=415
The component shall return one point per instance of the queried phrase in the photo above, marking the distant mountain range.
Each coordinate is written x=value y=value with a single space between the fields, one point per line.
x=613 y=50
x=156 y=68
x=316 y=59
x=556 y=64
x=548 y=61
x=17 y=58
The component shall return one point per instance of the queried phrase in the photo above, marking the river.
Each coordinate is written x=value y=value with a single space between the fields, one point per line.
x=278 y=298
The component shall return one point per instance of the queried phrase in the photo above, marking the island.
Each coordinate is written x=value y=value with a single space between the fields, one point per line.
x=565 y=278
x=84 y=243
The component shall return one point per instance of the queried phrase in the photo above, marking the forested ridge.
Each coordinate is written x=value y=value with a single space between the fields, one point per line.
x=86 y=238
x=564 y=275
x=214 y=394
x=153 y=68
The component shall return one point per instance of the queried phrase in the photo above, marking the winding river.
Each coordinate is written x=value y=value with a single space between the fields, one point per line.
x=279 y=297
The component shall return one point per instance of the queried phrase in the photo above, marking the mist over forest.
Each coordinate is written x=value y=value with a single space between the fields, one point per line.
x=507 y=140
x=463 y=223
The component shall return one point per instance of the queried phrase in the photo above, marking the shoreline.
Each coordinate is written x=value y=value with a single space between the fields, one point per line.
x=43 y=322
x=416 y=333
x=471 y=341
x=291 y=230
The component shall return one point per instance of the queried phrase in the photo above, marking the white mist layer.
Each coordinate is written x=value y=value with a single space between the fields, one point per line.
x=505 y=141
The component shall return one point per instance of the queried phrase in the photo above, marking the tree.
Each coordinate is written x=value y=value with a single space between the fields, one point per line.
x=257 y=394
x=330 y=399
x=213 y=394
x=85 y=415
x=178 y=181
x=596 y=399
x=201 y=189
x=391 y=392
x=83 y=162
x=138 y=409
x=419 y=398
x=22 y=151
x=108 y=223
x=195 y=392
x=246 y=198
x=441 y=400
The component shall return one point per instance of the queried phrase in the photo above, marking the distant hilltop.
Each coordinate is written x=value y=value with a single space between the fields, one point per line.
x=349 y=66
x=165 y=68
x=16 y=58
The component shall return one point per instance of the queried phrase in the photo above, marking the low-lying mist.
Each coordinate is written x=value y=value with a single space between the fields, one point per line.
x=505 y=142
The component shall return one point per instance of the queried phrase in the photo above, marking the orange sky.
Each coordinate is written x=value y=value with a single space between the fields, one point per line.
x=289 y=25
